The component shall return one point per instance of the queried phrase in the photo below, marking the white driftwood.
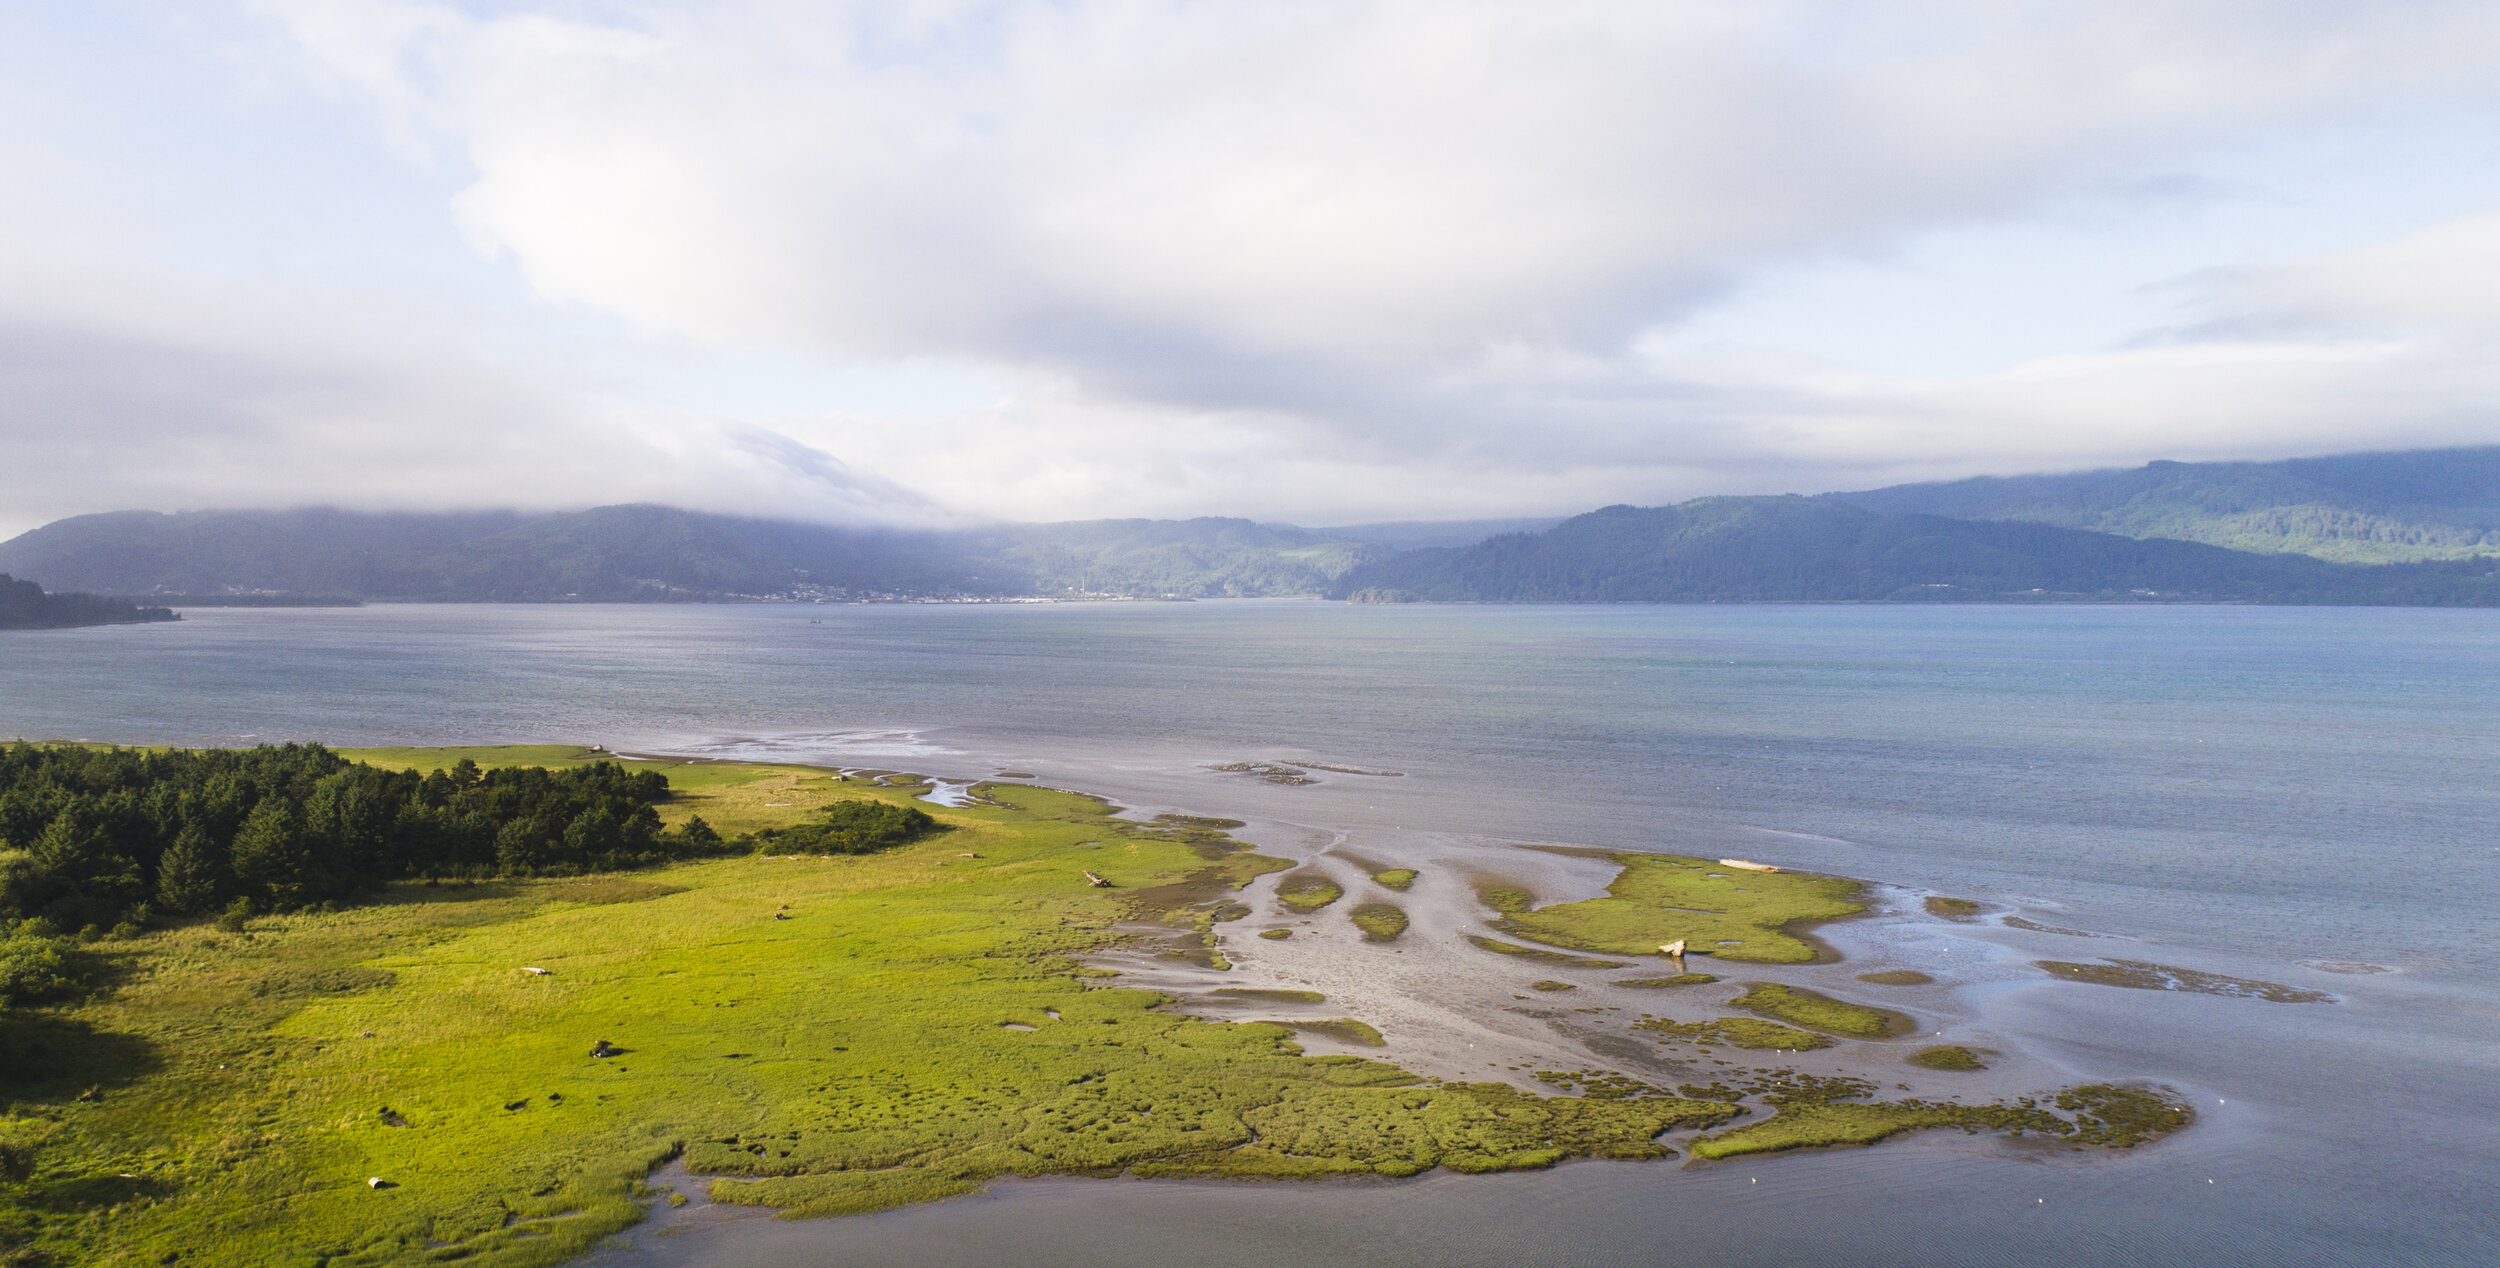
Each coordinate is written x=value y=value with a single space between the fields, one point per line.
x=1747 y=864
x=1672 y=948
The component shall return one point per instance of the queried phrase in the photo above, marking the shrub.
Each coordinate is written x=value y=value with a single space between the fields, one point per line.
x=851 y=827
x=236 y=917
x=36 y=965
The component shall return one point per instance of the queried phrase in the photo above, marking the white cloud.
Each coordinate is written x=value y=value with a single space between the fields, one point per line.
x=1325 y=261
x=2443 y=276
x=1093 y=184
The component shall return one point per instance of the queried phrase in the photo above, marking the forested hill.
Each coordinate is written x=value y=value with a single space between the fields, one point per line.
x=1996 y=539
x=659 y=554
x=2355 y=508
x=612 y=553
x=25 y=606
x=1795 y=548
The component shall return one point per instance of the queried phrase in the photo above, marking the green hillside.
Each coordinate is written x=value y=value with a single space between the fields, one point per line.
x=2353 y=508
x=1818 y=550
x=662 y=554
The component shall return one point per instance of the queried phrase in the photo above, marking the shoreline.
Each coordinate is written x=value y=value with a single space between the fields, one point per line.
x=1017 y=844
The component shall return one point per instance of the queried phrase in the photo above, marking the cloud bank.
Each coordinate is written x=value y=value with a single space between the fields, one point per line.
x=1301 y=260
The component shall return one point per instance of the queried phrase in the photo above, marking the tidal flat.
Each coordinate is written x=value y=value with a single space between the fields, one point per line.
x=824 y=1035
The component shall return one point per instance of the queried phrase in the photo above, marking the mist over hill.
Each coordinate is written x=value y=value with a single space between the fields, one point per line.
x=662 y=554
x=1803 y=549
x=2354 y=508
x=2426 y=525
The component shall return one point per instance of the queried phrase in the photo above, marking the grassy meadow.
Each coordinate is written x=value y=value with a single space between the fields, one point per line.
x=1799 y=1006
x=824 y=1034
x=1657 y=898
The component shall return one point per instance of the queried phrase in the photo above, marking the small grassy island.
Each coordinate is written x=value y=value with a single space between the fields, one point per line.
x=1728 y=912
x=407 y=1006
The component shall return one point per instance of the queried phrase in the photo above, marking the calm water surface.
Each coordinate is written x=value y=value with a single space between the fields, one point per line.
x=2242 y=790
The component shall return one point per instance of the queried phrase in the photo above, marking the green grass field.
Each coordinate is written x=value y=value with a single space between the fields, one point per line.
x=829 y=1035
x=1667 y=983
x=1659 y=898
x=1307 y=892
x=1801 y=1007
x=1734 y=1032
x=1947 y=1057
x=1380 y=922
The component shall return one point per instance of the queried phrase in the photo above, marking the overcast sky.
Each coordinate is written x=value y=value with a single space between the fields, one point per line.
x=1322 y=262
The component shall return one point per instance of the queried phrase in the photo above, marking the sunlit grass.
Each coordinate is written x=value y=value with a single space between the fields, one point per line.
x=829 y=1034
x=1658 y=899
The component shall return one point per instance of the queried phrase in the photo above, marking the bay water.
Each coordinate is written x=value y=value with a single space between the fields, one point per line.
x=2289 y=795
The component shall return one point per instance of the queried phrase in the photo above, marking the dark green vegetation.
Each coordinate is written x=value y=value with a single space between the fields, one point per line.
x=1947 y=1057
x=1773 y=549
x=1820 y=1112
x=829 y=1034
x=1821 y=1012
x=1896 y=977
x=2147 y=976
x=1659 y=983
x=95 y=837
x=25 y=606
x=2356 y=508
x=1734 y=1032
x=1549 y=984
x=1307 y=892
x=1955 y=908
x=1658 y=898
x=1276 y=935
x=1380 y=922
x=1397 y=878
x=850 y=827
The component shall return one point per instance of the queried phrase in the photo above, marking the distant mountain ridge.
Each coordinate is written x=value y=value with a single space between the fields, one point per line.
x=2402 y=528
x=662 y=554
x=2352 y=508
x=1760 y=549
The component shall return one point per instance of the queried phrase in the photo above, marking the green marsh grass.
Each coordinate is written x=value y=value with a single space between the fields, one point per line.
x=1659 y=898
x=1307 y=892
x=1947 y=1057
x=1734 y=1032
x=823 y=1034
x=1380 y=922
x=1801 y=1007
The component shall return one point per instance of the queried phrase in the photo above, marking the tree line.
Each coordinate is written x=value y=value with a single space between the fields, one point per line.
x=25 y=606
x=96 y=838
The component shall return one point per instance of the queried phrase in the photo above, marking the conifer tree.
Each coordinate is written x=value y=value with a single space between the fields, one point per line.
x=271 y=864
x=192 y=873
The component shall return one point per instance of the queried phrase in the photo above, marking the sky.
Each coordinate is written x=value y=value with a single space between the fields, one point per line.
x=932 y=262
